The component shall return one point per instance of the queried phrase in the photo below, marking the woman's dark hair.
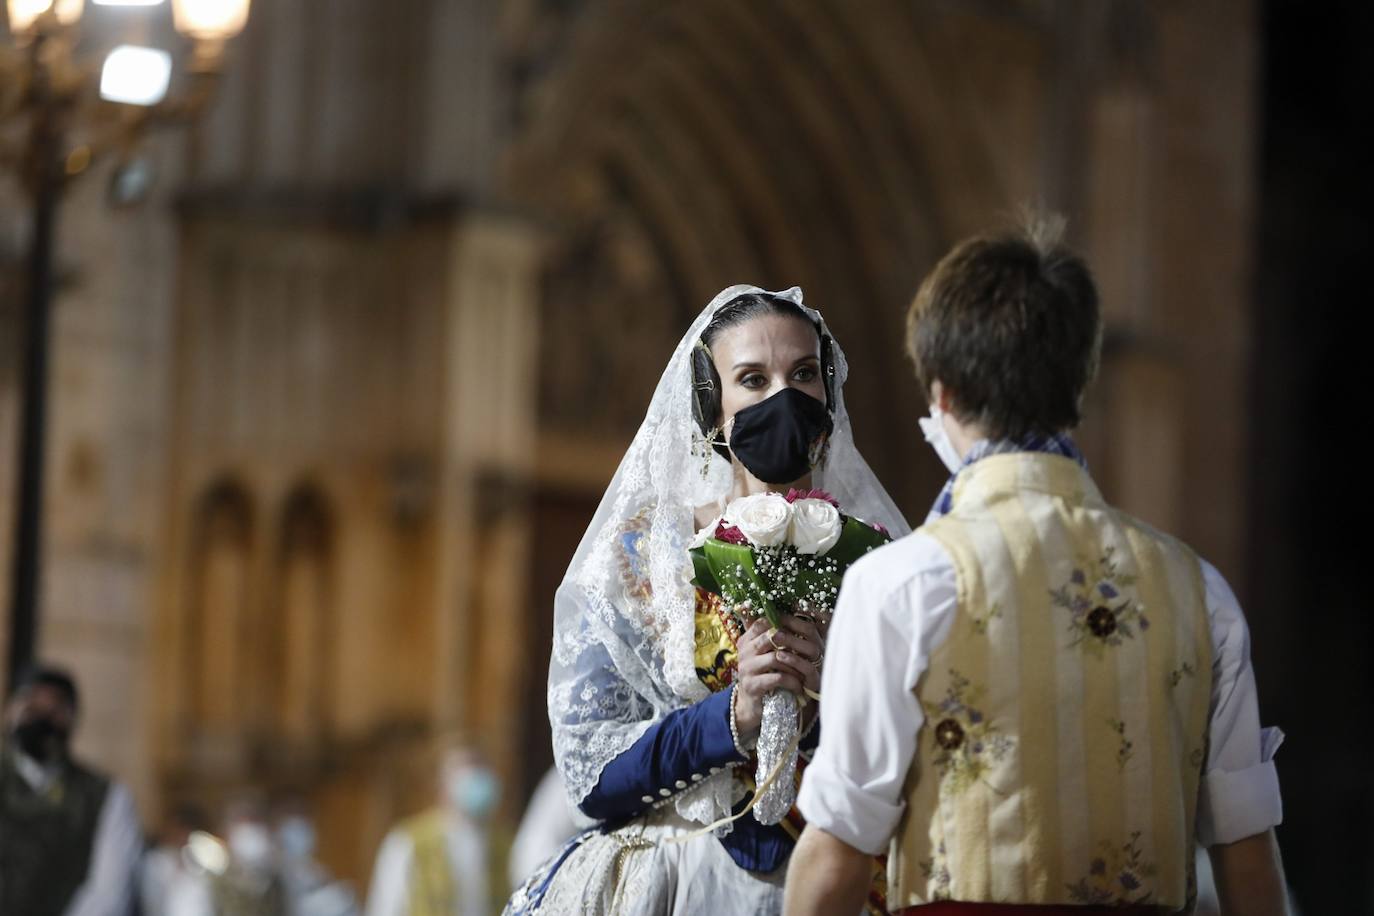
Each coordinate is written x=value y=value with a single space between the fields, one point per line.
x=1009 y=324
x=706 y=381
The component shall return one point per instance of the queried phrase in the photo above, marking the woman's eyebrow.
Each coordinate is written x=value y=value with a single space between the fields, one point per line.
x=758 y=364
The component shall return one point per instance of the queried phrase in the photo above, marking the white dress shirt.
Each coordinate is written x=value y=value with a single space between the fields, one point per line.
x=896 y=607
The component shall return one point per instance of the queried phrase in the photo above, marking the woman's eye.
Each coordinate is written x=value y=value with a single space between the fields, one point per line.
x=806 y=374
x=754 y=380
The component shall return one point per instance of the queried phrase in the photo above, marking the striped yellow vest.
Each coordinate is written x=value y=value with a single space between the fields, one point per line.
x=432 y=888
x=1066 y=712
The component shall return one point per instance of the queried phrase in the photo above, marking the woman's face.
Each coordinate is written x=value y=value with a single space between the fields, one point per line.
x=762 y=356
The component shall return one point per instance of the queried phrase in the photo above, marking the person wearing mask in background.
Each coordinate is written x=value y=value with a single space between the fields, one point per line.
x=310 y=889
x=443 y=861
x=70 y=840
x=165 y=871
x=252 y=883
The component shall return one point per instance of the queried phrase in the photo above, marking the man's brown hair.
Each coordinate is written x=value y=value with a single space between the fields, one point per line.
x=1009 y=325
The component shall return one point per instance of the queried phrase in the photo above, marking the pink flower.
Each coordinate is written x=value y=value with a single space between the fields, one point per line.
x=878 y=527
x=794 y=495
x=730 y=534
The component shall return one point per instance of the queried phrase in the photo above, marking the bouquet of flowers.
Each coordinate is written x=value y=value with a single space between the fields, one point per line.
x=770 y=555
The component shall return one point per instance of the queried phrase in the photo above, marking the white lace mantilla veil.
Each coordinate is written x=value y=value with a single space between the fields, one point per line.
x=622 y=661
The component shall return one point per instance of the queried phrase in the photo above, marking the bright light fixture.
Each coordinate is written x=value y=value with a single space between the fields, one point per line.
x=135 y=76
x=127 y=2
x=210 y=20
x=68 y=11
x=24 y=12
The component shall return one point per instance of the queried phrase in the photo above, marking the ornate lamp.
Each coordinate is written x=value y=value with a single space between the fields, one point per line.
x=111 y=106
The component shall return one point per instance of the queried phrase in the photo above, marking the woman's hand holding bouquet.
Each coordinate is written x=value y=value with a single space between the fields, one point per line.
x=777 y=561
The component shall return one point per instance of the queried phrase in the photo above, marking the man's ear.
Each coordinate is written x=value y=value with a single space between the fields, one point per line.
x=939 y=396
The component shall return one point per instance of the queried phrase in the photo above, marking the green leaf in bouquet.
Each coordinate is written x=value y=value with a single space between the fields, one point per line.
x=732 y=566
x=856 y=539
x=703 y=578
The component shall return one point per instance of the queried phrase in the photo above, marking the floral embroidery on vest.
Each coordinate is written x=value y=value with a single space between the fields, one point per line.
x=1178 y=674
x=967 y=744
x=936 y=872
x=980 y=622
x=1126 y=748
x=1114 y=876
x=1100 y=614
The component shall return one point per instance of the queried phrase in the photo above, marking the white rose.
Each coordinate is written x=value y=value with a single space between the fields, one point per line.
x=762 y=518
x=816 y=526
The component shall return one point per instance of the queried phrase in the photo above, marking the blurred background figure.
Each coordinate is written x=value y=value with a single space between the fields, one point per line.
x=165 y=872
x=69 y=835
x=252 y=883
x=310 y=888
x=550 y=820
x=446 y=860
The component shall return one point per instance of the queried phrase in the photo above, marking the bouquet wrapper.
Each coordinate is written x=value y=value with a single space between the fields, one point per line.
x=777 y=747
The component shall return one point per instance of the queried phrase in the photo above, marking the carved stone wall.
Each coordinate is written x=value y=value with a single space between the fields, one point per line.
x=682 y=147
x=350 y=399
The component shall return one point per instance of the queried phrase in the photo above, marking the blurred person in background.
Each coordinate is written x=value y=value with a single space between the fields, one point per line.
x=550 y=820
x=165 y=871
x=310 y=889
x=445 y=861
x=241 y=875
x=70 y=840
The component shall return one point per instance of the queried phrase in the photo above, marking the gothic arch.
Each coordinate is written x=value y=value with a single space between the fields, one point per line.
x=835 y=147
x=298 y=623
x=218 y=608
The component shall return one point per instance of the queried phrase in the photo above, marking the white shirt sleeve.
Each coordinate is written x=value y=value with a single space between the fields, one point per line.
x=388 y=894
x=1239 y=796
x=115 y=852
x=896 y=606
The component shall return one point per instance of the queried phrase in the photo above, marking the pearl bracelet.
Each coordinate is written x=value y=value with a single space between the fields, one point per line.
x=734 y=727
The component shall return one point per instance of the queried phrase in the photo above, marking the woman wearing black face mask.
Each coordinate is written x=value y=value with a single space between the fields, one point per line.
x=654 y=693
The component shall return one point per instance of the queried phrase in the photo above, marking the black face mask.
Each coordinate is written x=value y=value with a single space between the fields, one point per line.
x=41 y=739
x=778 y=439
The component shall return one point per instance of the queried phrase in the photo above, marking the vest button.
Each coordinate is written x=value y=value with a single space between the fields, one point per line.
x=949 y=734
